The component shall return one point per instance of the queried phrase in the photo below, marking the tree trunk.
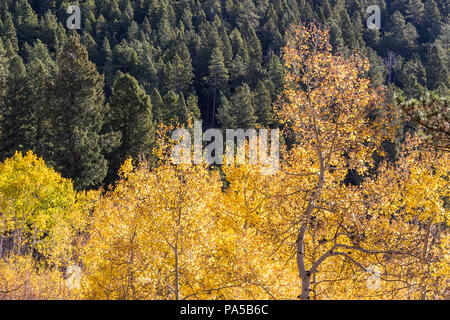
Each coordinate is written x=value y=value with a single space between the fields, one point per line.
x=305 y=275
x=177 y=275
x=306 y=286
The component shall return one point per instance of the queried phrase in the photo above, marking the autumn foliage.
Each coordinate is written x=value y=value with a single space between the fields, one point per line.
x=168 y=231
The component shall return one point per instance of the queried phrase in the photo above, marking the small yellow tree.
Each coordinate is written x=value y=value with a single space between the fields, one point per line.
x=154 y=235
x=41 y=216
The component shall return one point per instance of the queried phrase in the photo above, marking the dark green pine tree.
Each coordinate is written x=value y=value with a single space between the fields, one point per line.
x=39 y=70
x=170 y=107
x=39 y=51
x=217 y=78
x=180 y=74
x=413 y=77
x=107 y=65
x=8 y=30
x=51 y=31
x=157 y=105
x=308 y=13
x=326 y=8
x=276 y=75
x=17 y=122
x=432 y=24
x=414 y=11
x=125 y=58
x=175 y=109
x=224 y=116
x=226 y=49
x=400 y=36
x=263 y=105
x=359 y=29
x=336 y=38
x=242 y=108
x=76 y=103
x=271 y=38
x=27 y=21
x=253 y=45
x=239 y=68
x=192 y=106
x=3 y=71
x=348 y=31
x=165 y=32
x=437 y=73
x=186 y=17
x=130 y=115
x=183 y=113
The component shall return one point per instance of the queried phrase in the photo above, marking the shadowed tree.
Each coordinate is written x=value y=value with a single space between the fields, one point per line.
x=75 y=146
x=130 y=115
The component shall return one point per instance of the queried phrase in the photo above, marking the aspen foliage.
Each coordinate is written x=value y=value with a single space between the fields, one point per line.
x=332 y=234
x=154 y=235
x=42 y=220
x=175 y=231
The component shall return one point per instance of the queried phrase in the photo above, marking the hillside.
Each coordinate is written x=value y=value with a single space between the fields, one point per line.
x=121 y=178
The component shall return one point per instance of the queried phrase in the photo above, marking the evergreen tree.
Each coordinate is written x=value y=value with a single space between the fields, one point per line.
x=226 y=49
x=183 y=113
x=263 y=104
x=359 y=29
x=218 y=77
x=38 y=79
x=3 y=71
x=414 y=11
x=165 y=33
x=242 y=109
x=171 y=105
x=8 y=30
x=326 y=8
x=158 y=105
x=106 y=58
x=336 y=38
x=254 y=50
x=224 y=116
x=17 y=123
x=76 y=104
x=432 y=23
x=192 y=105
x=348 y=30
x=130 y=115
x=27 y=21
x=276 y=73
x=437 y=73
x=52 y=32
x=40 y=67
x=180 y=74
x=401 y=36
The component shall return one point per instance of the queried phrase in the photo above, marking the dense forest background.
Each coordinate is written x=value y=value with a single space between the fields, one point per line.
x=87 y=100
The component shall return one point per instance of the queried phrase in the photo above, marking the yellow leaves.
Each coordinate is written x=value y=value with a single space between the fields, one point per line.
x=164 y=218
x=24 y=279
x=40 y=206
x=42 y=215
x=183 y=231
x=427 y=186
x=126 y=168
x=325 y=91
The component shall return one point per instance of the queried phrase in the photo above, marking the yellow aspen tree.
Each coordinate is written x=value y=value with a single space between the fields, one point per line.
x=417 y=186
x=327 y=105
x=342 y=233
x=41 y=219
x=153 y=236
